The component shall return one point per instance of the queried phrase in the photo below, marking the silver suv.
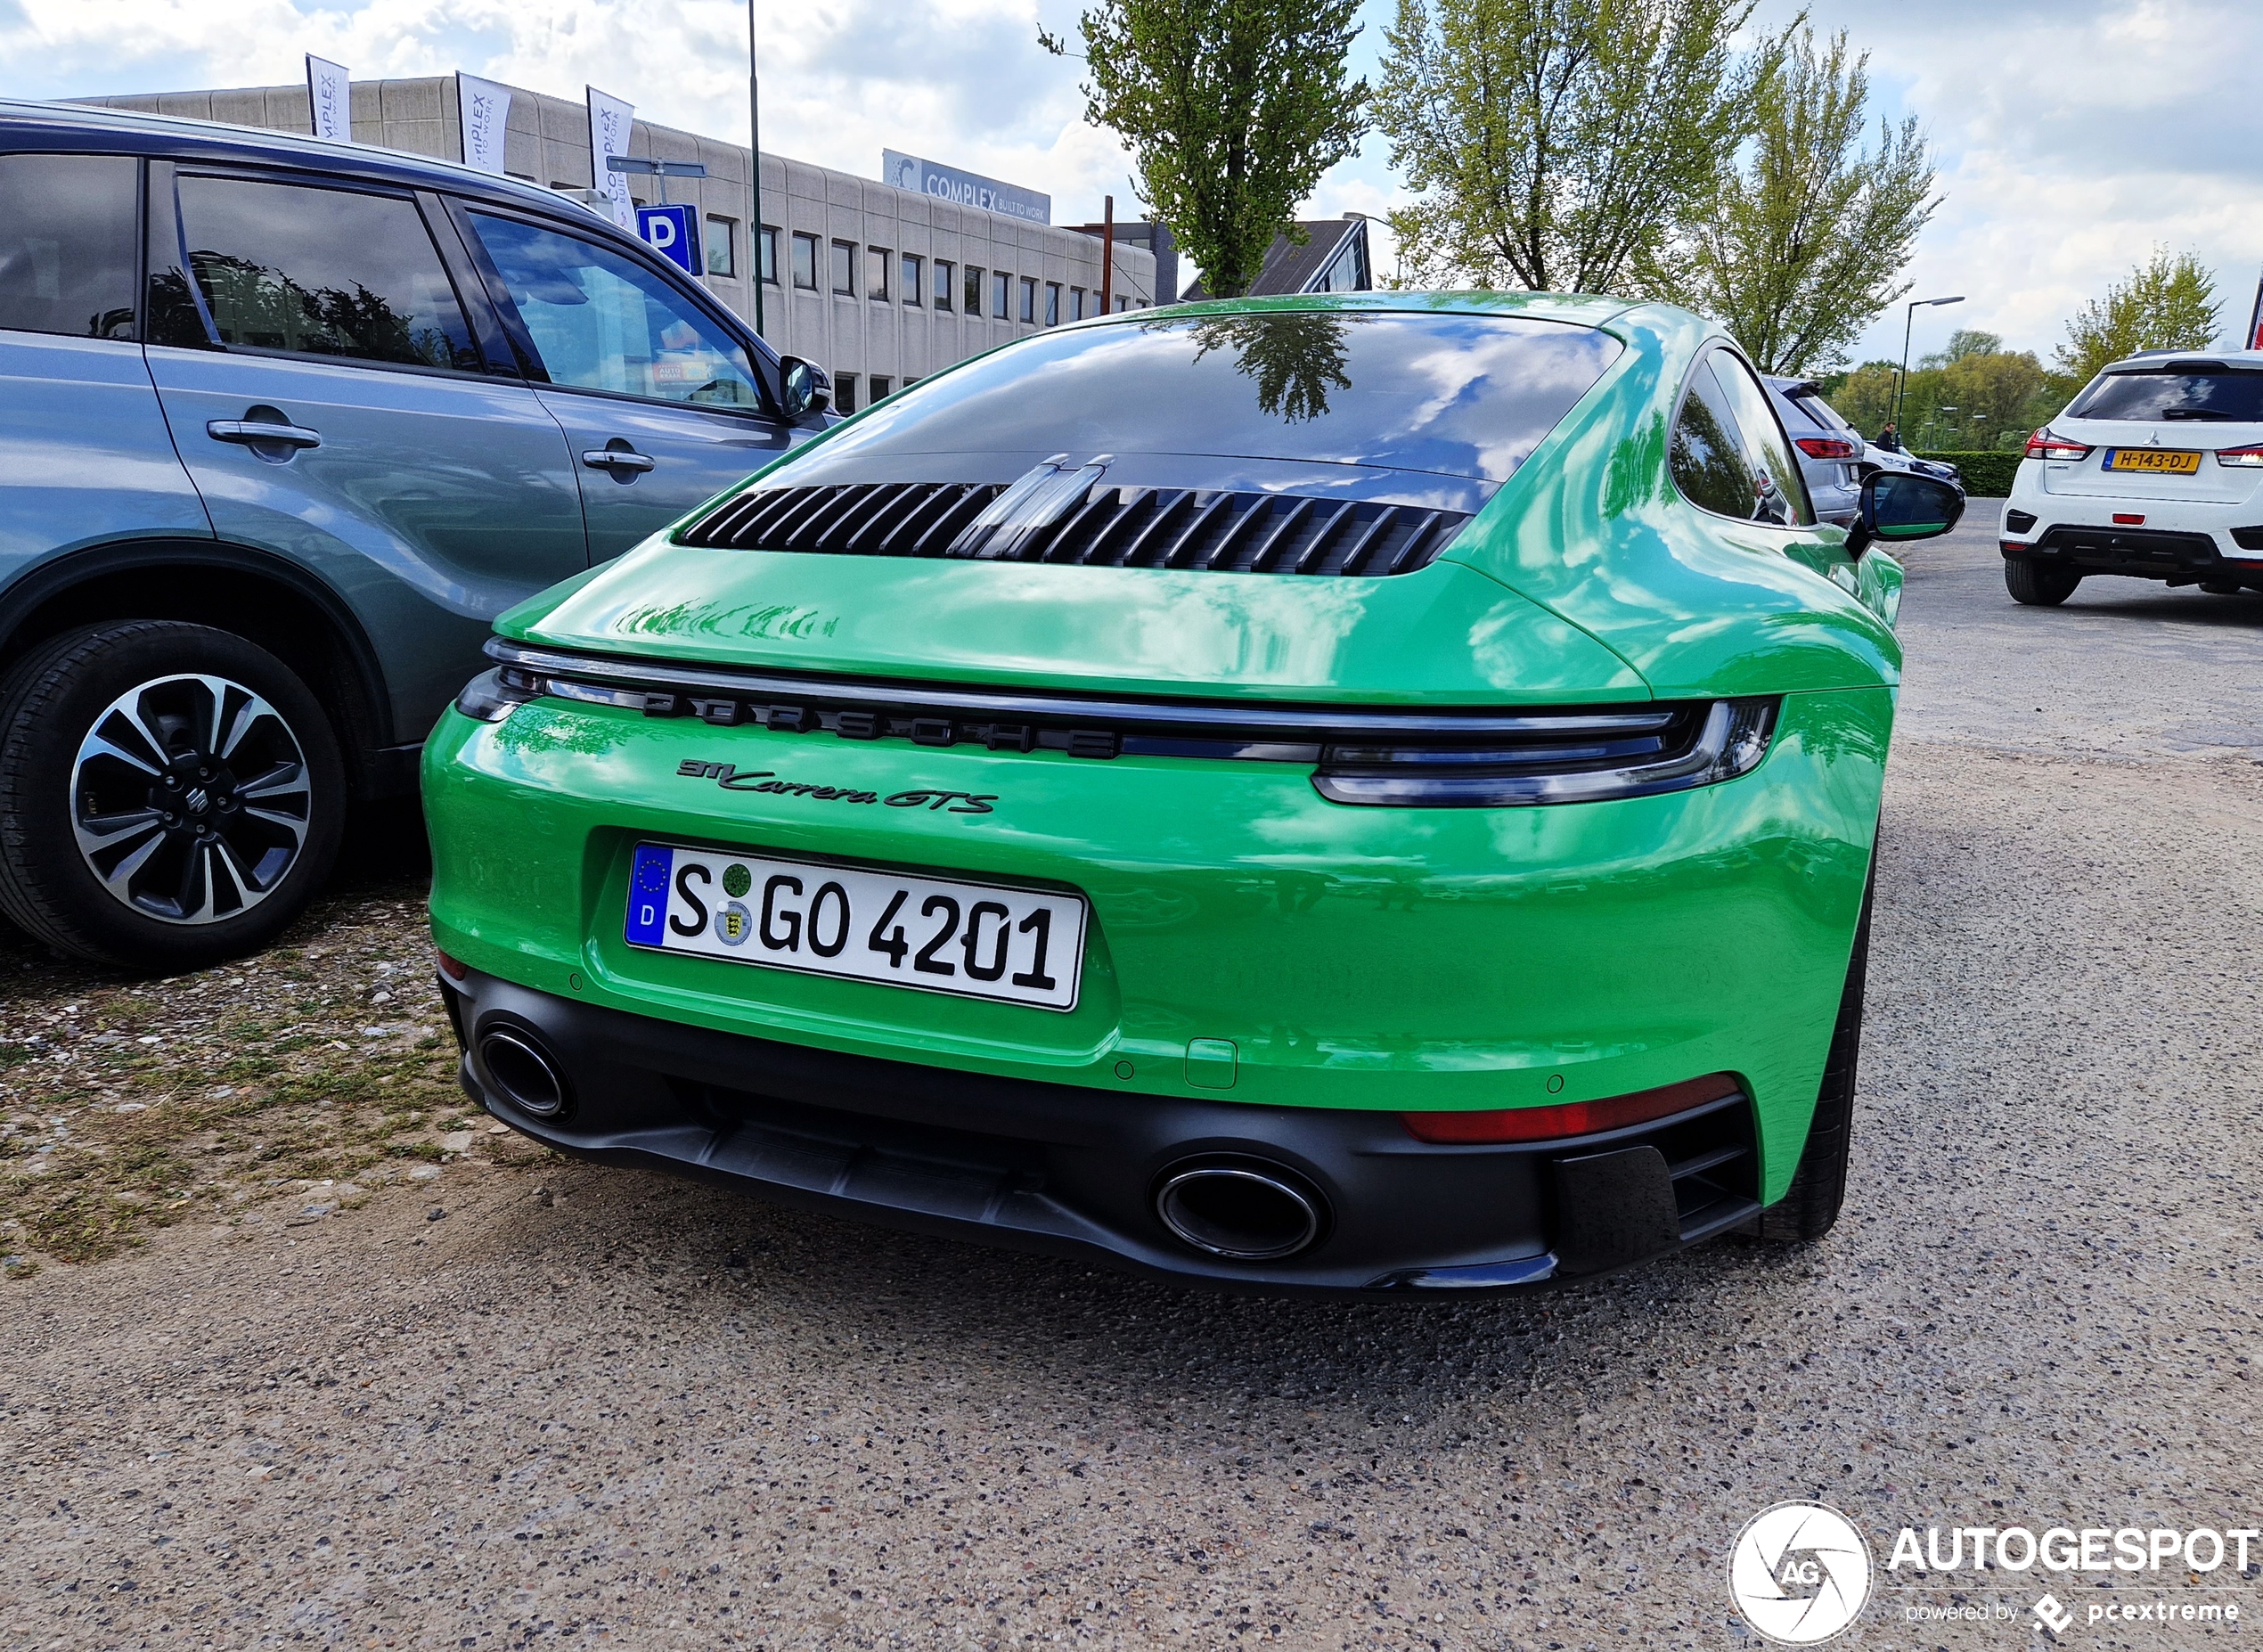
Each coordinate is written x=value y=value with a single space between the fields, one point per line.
x=285 y=425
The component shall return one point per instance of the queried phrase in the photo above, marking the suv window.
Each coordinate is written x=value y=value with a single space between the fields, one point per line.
x=1811 y=404
x=67 y=244
x=2219 y=397
x=601 y=322
x=311 y=271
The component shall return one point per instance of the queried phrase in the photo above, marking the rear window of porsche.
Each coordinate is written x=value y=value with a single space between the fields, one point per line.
x=2223 y=397
x=1455 y=394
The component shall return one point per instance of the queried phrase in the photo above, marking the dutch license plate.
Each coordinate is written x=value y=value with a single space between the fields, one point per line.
x=976 y=940
x=2158 y=461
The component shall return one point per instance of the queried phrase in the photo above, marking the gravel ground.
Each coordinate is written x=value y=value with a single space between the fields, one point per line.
x=282 y=1088
x=556 y=1404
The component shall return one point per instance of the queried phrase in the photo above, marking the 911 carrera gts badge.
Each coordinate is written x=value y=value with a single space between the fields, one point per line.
x=732 y=778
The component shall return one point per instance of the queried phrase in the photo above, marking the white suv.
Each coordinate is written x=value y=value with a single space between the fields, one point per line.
x=2155 y=470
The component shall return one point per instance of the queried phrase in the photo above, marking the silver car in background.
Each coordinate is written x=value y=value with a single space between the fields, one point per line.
x=1831 y=450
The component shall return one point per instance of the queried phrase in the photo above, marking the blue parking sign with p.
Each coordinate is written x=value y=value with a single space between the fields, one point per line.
x=673 y=233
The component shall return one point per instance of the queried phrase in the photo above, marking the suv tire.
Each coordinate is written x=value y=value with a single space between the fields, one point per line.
x=1810 y=1205
x=2039 y=587
x=127 y=834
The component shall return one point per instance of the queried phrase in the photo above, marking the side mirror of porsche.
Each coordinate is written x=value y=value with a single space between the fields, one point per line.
x=807 y=388
x=1899 y=504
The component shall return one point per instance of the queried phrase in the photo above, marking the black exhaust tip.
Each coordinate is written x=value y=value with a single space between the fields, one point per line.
x=523 y=1072
x=1243 y=1209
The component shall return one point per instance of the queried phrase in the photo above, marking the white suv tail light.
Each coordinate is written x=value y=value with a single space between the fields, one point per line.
x=2242 y=458
x=2042 y=445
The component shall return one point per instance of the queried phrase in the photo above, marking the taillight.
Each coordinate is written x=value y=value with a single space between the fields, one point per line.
x=1826 y=447
x=1568 y=1118
x=2042 y=445
x=454 y=969
x=2243 y=458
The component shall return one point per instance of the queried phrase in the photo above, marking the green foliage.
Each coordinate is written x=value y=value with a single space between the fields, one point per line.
x=1967 y=397
x=1804 y=244
x=1964 y=341
x=1557 y=145
x=2167 y=303
x=1232 y=109
x=1987 y=476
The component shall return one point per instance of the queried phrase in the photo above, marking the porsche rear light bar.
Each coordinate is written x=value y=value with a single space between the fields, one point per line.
x=1569 y=1118
x=2045 y=445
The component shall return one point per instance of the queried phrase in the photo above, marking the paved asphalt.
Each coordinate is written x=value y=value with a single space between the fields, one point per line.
x=589 y=1406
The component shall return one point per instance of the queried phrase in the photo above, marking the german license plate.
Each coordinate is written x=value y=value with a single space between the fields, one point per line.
x=976 y=940
x=2157 y=461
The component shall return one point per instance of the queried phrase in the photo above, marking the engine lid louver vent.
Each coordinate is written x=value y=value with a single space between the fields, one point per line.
x=1195 y=529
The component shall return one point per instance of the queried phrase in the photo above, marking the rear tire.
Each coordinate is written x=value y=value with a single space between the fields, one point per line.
x=2219 y=588
x=170 y=795
x=2039 y=587
x=1810 y=1205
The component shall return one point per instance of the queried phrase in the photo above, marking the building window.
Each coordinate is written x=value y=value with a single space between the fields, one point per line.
x=844 y=392
x=974 y=290
x=805 y=262
x=1001 y=294
x=1029 y=297
x=769 y=245
x=845 y=267
x=875 y=272
x=722 y=250
x=1122 y=305
x=946 y=271
x=1076 y=304
x=881 y=386
x=1052 y=303
x=913 y=279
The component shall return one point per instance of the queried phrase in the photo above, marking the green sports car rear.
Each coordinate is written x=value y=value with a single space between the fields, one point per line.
x=1357 y=794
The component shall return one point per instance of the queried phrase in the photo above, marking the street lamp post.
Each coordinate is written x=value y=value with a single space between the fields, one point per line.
x=754 y=170
x=1909 y=318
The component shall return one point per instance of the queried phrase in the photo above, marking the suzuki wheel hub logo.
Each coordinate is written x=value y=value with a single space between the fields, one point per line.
x=1800 y=1573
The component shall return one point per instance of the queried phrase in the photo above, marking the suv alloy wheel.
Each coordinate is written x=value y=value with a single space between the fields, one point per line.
x=170 y=795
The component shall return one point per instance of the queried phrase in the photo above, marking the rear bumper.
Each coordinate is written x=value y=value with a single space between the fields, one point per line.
x=1072 y=1171
x=2181 y=558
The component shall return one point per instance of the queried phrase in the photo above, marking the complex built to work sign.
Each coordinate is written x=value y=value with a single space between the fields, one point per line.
x=924 y=177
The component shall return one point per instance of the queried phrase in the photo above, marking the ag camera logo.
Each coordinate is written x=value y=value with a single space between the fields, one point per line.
x=1800 y=1573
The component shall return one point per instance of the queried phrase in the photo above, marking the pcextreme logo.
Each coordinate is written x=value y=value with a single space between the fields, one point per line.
x=1800 y=1573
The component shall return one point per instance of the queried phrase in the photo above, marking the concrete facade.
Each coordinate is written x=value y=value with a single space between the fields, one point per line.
x=856 y=336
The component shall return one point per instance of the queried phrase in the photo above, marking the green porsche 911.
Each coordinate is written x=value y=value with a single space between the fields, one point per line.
x=1362 y=793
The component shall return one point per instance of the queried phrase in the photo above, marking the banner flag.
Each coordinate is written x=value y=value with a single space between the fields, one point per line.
x=486 y=110
x=610 y=121
x=2255 y=319
x=332 y=97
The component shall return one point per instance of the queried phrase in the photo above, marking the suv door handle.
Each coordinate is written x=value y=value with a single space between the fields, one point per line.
x=618 y=459
x=253 y=432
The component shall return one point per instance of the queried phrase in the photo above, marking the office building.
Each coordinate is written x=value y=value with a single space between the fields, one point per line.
x=878 y=285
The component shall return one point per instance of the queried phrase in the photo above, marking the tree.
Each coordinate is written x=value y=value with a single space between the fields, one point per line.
x=1805 y=242
x=2167 y=303
x=1232 y=108
x=1553 y=143
x=1964 y=341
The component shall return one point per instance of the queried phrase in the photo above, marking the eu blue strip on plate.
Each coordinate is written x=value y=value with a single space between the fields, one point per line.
x=648 y=894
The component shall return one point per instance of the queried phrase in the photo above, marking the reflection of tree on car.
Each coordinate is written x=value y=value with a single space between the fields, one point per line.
x=1295 y=358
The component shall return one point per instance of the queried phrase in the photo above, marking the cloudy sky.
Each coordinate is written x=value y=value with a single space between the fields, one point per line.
x=2071 y=137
